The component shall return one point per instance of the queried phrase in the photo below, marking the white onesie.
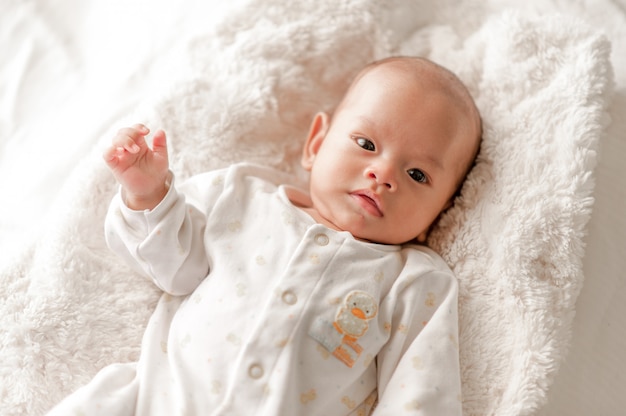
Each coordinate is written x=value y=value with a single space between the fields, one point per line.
x=266 y=312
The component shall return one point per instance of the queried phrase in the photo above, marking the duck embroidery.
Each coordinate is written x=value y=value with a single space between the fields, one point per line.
x=351 y=322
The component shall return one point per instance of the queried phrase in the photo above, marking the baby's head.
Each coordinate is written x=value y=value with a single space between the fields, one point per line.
x=395 y=152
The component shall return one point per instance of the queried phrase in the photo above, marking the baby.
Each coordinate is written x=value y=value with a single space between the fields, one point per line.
x=288 y=301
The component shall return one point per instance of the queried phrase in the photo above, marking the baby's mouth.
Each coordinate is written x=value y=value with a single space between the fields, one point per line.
x=368 y=201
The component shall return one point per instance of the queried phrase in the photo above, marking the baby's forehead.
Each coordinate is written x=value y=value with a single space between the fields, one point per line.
x=426 y=75
x=411 y=84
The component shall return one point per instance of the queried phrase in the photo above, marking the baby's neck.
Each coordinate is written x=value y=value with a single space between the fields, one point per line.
x=303 y=202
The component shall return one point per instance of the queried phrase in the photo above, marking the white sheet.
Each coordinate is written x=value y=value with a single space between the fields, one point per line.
x=70 y=69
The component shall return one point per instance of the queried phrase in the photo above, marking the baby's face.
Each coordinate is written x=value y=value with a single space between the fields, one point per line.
x=390 y=161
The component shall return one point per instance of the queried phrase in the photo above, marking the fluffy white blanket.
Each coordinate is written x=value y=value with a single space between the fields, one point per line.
x=247 y=92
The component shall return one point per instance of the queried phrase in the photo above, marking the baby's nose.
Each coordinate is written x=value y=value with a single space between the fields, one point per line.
x=383 y=176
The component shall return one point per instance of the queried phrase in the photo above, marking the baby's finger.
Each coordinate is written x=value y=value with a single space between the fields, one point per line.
x=159 y=144
x=130 y=139
x=110 y=155
x=114 y=157
x=141 y=128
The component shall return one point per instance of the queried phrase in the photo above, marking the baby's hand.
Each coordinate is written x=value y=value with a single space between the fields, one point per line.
x=141 y=171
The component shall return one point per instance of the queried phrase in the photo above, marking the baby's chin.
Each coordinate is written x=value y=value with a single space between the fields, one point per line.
x=360 y=231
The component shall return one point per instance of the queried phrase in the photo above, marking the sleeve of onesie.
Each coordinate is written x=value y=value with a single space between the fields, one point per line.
x=166 y=243
x=418 y=370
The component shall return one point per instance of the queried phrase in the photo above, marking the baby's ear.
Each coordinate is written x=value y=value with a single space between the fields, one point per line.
x=317 y=132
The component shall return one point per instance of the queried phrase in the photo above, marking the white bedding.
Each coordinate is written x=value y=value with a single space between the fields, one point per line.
x=71 y=71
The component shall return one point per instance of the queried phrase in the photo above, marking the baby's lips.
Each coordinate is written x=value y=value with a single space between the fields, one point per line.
x=369 y=203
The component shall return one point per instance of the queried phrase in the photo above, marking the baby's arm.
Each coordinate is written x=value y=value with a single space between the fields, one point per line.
x=141 y=171
x=149 y=225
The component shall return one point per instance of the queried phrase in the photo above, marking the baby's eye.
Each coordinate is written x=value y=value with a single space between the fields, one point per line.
x=365 y=144
x=417 y=175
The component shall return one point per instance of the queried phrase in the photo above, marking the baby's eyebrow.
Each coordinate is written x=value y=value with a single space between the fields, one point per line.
x=431 y=161
x=367 y=121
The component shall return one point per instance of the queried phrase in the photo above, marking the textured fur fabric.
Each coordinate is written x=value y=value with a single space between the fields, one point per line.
x=248 y=90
